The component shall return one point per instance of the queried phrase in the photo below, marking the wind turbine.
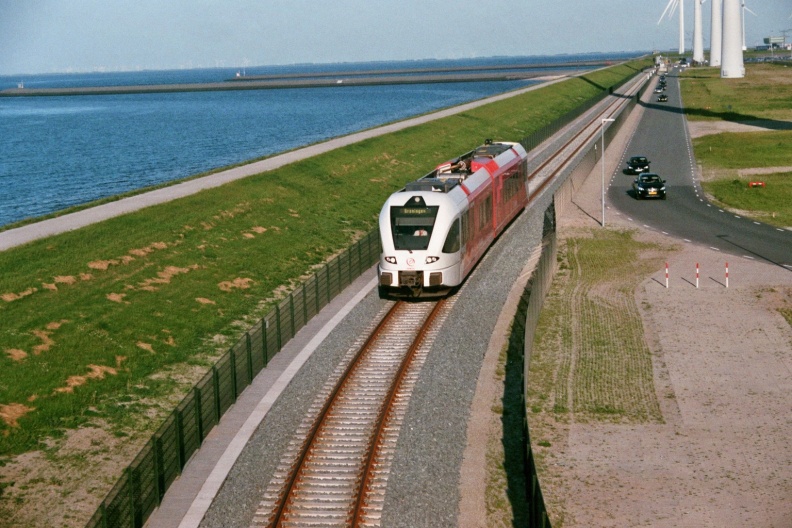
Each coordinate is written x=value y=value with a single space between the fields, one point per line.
x=672 y=6
x=716 y=32
x=744 y=9
x=732 y=65
x=698 y=37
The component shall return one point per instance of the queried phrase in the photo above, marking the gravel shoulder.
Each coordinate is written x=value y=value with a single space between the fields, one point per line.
x=722 y=360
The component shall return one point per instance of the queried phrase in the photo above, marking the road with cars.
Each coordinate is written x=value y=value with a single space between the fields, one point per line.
x=662 y=136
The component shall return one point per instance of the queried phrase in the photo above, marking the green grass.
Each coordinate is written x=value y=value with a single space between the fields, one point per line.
x=743 y=150
x=590 y=361
x=761 y=98
x=165 y=296
x=764 y=93
x=770 y=204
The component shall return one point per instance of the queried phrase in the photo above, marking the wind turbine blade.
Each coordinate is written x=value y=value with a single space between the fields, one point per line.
x=749 y=10
x=670 y=2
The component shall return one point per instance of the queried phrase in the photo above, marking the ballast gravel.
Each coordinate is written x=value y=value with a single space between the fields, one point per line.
x=423 y=487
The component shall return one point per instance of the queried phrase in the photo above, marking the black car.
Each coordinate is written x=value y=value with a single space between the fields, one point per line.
x=637 y=165
x=662 y=98
x=649 y=185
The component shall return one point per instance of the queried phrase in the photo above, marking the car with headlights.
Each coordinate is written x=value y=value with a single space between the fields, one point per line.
x=662 y=98
x=637 y=165
x=649 y=185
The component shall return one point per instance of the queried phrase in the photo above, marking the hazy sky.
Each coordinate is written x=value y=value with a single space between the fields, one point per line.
x=85 y=35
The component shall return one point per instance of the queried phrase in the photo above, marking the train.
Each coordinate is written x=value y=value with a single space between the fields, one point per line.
x=436 y=228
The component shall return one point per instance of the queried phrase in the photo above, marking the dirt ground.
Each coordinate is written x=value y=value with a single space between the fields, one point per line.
x=722 y=359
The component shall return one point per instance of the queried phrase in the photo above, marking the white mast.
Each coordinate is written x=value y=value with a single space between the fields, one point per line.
x=698 y=37
x=681 y=27
x=732 y=58
x=716 y=32
x=744 y=9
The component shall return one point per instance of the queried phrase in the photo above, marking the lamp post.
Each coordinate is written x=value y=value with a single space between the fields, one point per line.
x=605 y=120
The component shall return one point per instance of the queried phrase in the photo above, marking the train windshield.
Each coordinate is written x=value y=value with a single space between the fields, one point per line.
x=412 y=225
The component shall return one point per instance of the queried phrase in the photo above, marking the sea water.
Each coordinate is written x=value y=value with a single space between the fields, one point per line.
x=57 y=152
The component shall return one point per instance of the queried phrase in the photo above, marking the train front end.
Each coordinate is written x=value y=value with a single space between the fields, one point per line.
x=420 y=237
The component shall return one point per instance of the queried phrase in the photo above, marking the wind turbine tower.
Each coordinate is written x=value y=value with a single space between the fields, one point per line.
x=732 y=65
x=698 y=37
x=744 y=9
x=681 y=27
x=716 y=32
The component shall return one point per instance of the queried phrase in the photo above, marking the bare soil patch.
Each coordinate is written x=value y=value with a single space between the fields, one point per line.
x=722 y=363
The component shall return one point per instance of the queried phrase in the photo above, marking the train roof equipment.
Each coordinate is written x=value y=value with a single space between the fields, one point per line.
x=447 y=176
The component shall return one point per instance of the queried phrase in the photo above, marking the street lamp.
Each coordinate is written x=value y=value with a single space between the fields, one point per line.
x=604 y=120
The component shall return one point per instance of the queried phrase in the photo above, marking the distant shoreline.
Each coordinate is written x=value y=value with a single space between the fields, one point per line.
x=329 y=79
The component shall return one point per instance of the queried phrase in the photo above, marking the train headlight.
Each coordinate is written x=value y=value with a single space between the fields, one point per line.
x=432 y=260
x=390 y=260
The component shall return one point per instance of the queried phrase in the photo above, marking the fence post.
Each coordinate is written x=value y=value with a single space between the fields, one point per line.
x=232 y=357
x=180 y=437
x=198 y=414
x=291 y=313
x=278 y=325
x=327 y=276
x=305 y=306
x=159 y=465
x=264 y=339
x=216 y=388
x=249 y=354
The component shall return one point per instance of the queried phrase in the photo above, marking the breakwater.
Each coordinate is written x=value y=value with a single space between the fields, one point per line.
x=322 y=80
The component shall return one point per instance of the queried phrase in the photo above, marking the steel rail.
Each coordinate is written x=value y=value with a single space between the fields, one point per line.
x=328 y=404
x=560 y=151
x=386 y=411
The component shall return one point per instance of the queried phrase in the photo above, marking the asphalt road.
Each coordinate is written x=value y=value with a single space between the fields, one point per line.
x=662 y=136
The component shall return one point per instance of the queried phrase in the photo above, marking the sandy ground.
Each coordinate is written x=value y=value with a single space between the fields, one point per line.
x=723 y=374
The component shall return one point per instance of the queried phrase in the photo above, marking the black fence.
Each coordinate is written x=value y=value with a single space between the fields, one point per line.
x=143 y=484
x=160 y=462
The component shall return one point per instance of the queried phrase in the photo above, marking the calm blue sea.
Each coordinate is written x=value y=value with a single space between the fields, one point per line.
x=56 y=152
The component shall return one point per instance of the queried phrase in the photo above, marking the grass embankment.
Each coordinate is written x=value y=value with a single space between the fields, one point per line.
x=109 y=325
x=730 y=160
x=590 y=362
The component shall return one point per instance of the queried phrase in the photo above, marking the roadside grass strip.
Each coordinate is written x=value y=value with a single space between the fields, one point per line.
x=770 y=203
x=764 y=93
x=590 y=362
x=760 y=99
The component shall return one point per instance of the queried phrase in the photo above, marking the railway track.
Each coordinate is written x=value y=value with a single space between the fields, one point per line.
x=335 y=469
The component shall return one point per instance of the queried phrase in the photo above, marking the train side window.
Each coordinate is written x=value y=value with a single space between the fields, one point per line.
x=452 y=240
x=485 y=213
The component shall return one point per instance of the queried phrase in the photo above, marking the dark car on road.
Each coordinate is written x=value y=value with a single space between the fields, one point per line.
x=637 y=165
x=662 y=98
x=649 y=185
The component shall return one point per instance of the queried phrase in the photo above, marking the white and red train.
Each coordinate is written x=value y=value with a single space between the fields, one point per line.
x=436 y=229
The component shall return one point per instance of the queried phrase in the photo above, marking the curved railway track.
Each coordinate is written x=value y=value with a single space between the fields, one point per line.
x=334 y=472
x=335 y=469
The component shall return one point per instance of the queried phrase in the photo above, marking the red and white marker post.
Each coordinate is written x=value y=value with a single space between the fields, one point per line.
x=697 y=275
x=727 y=274
x=666 y=275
